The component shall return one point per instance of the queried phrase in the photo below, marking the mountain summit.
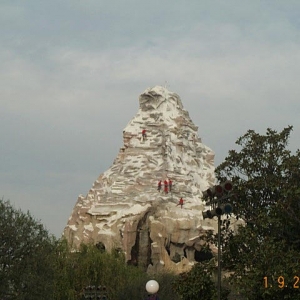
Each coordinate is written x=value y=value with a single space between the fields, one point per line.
x=125 y=209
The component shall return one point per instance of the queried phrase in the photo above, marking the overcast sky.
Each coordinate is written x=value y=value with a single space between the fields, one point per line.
x=72 y=71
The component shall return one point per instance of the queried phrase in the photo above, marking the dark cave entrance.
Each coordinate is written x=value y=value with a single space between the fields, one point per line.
x=202 y=255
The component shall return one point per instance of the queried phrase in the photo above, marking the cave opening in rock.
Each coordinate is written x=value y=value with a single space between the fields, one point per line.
x=100 y=246
x=134 y=255
x=202 y=255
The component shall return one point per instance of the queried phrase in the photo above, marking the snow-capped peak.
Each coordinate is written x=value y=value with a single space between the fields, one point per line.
x=160 y=143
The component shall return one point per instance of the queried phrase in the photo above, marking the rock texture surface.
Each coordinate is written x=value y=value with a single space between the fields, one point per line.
x=124 y=209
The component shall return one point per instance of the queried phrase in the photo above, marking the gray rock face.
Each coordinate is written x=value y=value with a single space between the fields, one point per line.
x=124 y=208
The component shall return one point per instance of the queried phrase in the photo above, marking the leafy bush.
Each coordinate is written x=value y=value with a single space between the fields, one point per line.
x=198 y=283
x=27 y=268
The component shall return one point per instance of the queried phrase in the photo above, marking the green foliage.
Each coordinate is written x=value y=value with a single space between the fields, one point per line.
x=136 y=287
x=26 y=255
x=166 y=286
x=198 y=283
x=93 y=266
x=266 y=178
x=88 y=266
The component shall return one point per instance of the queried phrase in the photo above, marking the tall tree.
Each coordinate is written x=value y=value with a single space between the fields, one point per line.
x=26 y=256
x=264 y=254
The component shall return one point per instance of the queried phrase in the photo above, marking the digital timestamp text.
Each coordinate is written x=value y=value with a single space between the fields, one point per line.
x=282 y=283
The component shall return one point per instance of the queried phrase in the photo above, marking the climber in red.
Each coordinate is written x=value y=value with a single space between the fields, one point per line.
x=170 y=185
x=180 y=202
x=159 y=186
x=166 y=186
x=144 y=135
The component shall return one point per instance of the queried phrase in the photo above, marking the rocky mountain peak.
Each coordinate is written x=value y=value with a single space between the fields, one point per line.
x=125 y=208
x=159 y=98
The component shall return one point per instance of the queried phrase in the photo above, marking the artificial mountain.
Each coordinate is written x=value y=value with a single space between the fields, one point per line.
x=124 y=209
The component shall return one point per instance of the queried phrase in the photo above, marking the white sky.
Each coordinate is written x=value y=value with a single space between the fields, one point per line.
x=72 y=70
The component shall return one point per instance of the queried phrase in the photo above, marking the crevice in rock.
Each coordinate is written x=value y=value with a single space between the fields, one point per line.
x=141 y=251
x=203 y=255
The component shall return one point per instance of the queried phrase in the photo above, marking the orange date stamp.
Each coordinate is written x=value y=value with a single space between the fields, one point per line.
x=281 y=282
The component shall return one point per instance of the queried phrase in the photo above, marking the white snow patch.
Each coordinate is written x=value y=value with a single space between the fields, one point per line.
x=89 y=227
x=154 y=244
x=73 y=227
x=207 y=227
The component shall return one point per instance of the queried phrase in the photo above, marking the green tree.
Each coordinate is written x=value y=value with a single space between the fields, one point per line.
x=26 y=256
x=197 y=283
x=266 y=177
x=92 y=266
x=65 y=277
